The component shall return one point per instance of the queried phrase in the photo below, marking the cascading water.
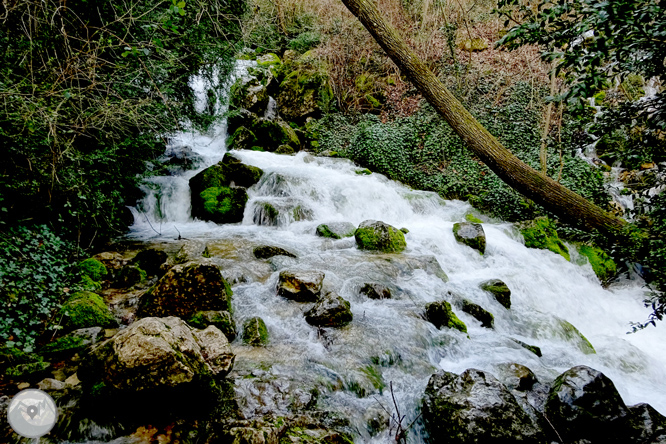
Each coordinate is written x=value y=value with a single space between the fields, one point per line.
x=389 y=343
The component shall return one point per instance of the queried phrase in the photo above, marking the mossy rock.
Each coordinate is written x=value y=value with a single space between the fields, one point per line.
x=285 y=149
x=74 y=342
x=242 y=139
x=602 y=264
x=150 y=260
x=222 y=205
x=92 y=268
x=469 y=217
x=379 y=236
x=86 y=309
x=376 y=291
x=265 y=214
x=129 y=276
x=222 y=174
x=471 y=235
x=541 y=233
x=500 y=290
x=219 y=318
x=305 y=91
x=479 y=313
x=330 y=311
x=572 y=334
x=255 y=332
x=269 y=59
x=533 y=348
x=32 y=370
x=336 y=230
x=267 y=251
x=440 y=314
x=473 y=45
x=11 y=357
x=271 y=134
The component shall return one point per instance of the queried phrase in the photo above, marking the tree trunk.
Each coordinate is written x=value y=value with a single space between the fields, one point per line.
x=559 y=200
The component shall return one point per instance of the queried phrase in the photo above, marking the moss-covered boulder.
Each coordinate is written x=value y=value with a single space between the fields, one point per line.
x=336 y=230
x=479 y=313
x=379 y=236
x=541 y=233
x=219 y=318
x=265 y=213
x=255 y=332
x=129 y=276
x=92 y=268
x=242 y=138
x=150 y=260
x=498 y=289
x=440 y=314
x=250 y=93
x=74 y=342
x=222 y=205
x=271 y=134
x=268 y=251
x=300 y=286
x=376 y=291
x=330 y=311
x=603 y=265
x=86 y=309
x=471 y=235
x=570 y=333
x=186 y=289
x=269 y=59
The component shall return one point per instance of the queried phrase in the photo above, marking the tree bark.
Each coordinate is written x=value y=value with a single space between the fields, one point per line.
x=556 y=198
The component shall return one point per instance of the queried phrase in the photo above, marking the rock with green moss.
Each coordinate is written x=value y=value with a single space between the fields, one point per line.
x=269 y=59
x=479 y=313
x=186 y=289
x=533 y=348
x=330 y=311
x=242 y=139
x=376 y=291
x=335 y=230
x=129 y=276
x=86 y=309
x=31 y=370
x=255 y=332
x=191 y=250
x=471 y=235
x=570 y=333
x=222 y=205
x=541 y=233
x=305 y=90
x=602 y=264
x=250 y=93
x=469 y=217
x=440 y=314
x=500 y=290
x=272 y=134
x=267 y=251
x=219 y=318
x=299 y=285
x=74 y=342
x=265 y=213
x=150 y=260
x=92 y=268
x=379 y=236
x=285 y=149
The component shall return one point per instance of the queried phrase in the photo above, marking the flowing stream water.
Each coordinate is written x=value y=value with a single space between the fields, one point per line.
x=389 y=343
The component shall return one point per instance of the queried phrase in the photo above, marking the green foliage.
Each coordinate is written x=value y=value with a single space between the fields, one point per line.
x=541 y=233
x=66 y=344
x=34 y=272
x=305 y=41
x=602 y=264
x=86 y=309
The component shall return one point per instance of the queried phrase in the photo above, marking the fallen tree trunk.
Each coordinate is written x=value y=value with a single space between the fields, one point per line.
x=556 y=198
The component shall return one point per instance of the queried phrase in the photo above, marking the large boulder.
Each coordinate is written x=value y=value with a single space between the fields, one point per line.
x=498 y=289
x=156 y=353
x=440 y=314
x=191 y=250
x=331 y=311
x=271 y=134
x=336 y=230
x=219 y=318
x=475 y=407
x=186 y=289
x=86 y=309
x=584 y=404
x=300 y=286
x=377 y=235
x=222 y=174
x=470 y=234
x=222 y=205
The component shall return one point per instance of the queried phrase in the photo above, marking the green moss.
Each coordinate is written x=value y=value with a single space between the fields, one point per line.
x=88 y=284
x=374 y=374
x=573 y=334
x=441 y=315
x=255 y=332
x=220 y=319
x=93 y=269
x=602 y=264
x=364 y=171
x=63 y=345
x=469 y=217
x=224 y=204
x=25 y=370
x=86 y=309
x=541 y=233
x=368 y=238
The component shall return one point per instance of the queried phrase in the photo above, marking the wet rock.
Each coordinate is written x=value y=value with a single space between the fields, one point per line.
x=222 y=205
x=646 y=425
x=541 y=233
x=249 y=93
x=376 y=291
x=441 y=315
x=271 y=134
x=255 y=332
x=500 y=290
x=475 y=407
x=331 y=311
x=285 y=149
x=219 y=318
x=86 y=309
x=305 y=90
x=376 y=419
x=111 y=260
x=583 y=404
x=603 y=265
x=186 y=289
x=533 y=348
x=151 y=261
x=266 y=251
x=479 y=313
x=227 y=171
x=471 y=235
x=570 y=333
x=190 y=251
x=300 y=286
x=180 y=158
x=50 y=385
x=241 y=137
x=377 y=235
x=129 y=275
x=74 y=342
x=336 y=230
x=157 y=353
x=265 y=214
x=517 y=377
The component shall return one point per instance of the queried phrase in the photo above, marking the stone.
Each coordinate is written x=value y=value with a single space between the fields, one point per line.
x=336 y=230
x=300 y=286
x=583 y=404
x=265 y=214
x=479 y=313
x=255 y=332
x=186 y=289
x=129 y=276
x=22 y=385
x=241 y=138
x=285 y=149
x=151 y=261
x=249 y=93
x=156 y=353
x=92 y=268
x=305 y=91
x=330 y=311
x=266 y=251
x=541 y=233
x=190 y=250
x=646 y=425
x=222 y=205
x=570 y=333
x=533 y=348
x=376 y=291
x=73 y=380
x=272 y=134
x=86 y=309
x=517 y=376
x=377 y=235
x=74 y=342
x=50 y=384
x=219 y=318
x=471 y=235
x=475 y=407
x=500 y=290
x=112 y=260
x=441 y=315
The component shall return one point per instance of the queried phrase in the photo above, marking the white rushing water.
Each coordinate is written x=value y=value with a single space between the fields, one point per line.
x=388 y=340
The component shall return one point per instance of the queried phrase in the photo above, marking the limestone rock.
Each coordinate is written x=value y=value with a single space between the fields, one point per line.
x=377 y=235
x=500 y=290
x=186 y=289
x=219 y=318
x=190 y=250
x=331 y=311
x=112 y=260
x=376 y=291
x=300 y=286
x=255 y=332
x=533 y=348
x=471 y=235
x=441 y=315
x=267 y=251
x=336 y=230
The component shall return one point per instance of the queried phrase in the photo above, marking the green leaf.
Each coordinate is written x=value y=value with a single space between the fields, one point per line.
x=181 y=4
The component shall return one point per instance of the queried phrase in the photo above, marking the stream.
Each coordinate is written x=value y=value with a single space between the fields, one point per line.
x=389 y=344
